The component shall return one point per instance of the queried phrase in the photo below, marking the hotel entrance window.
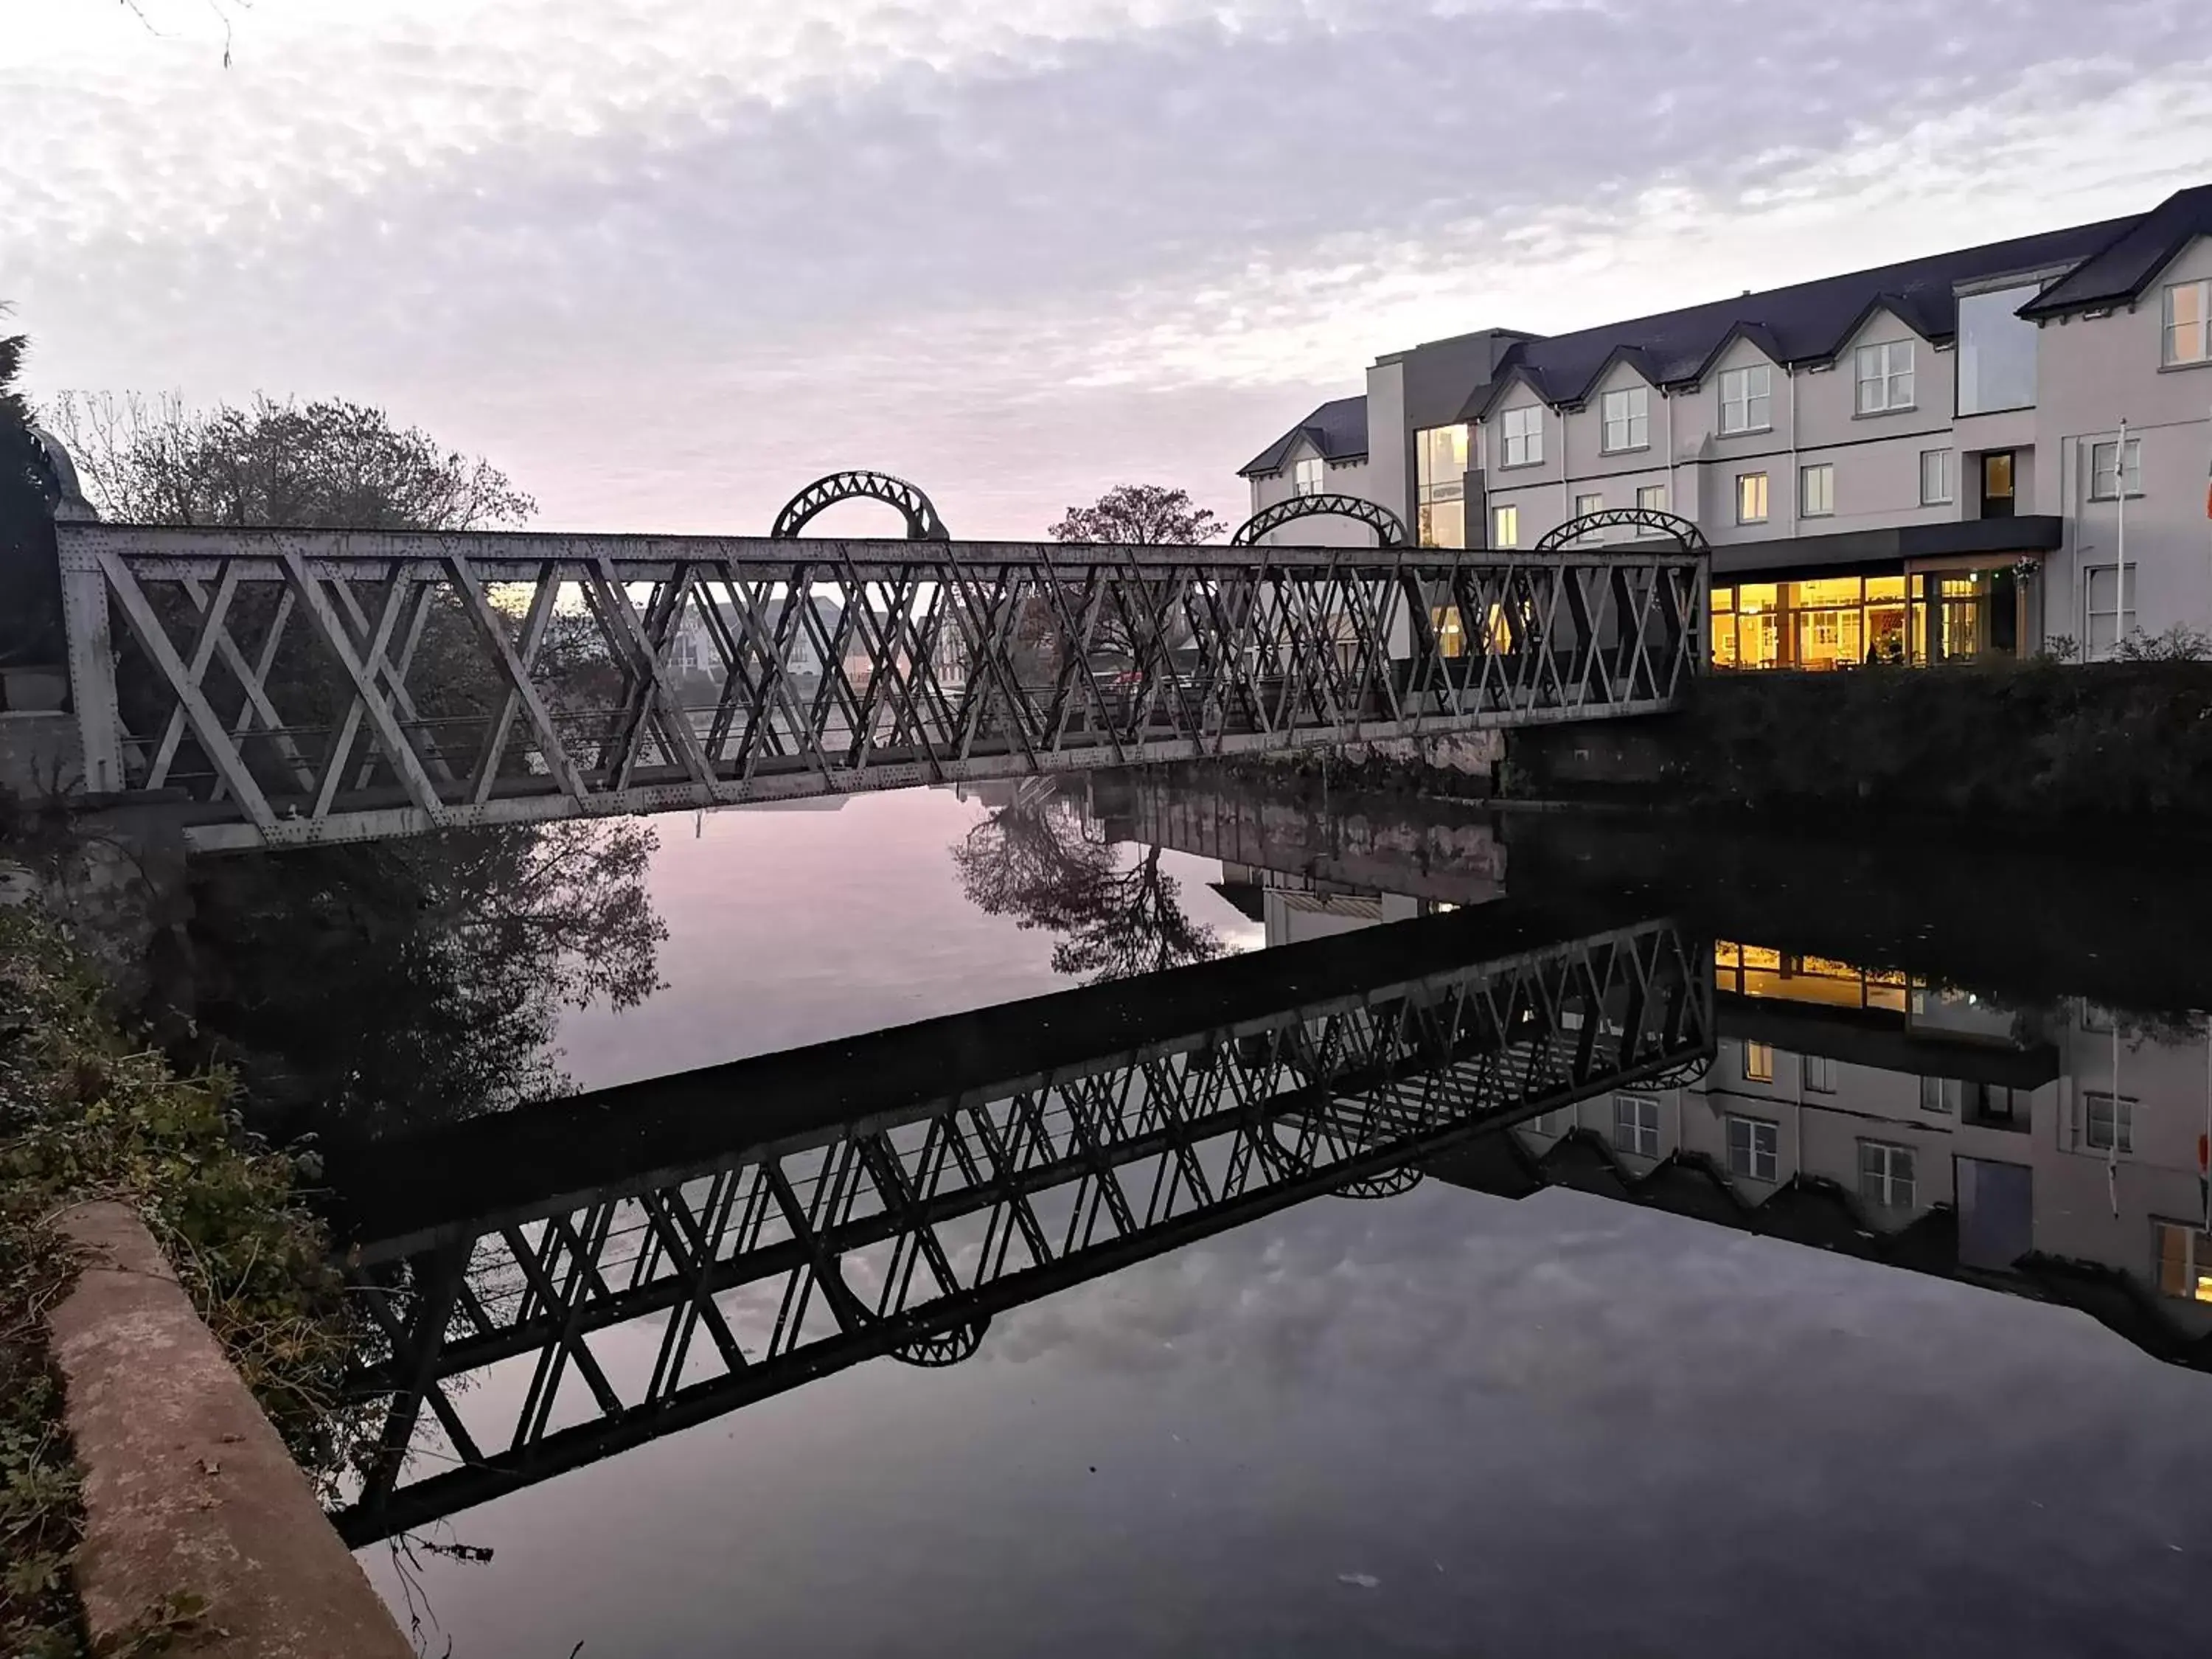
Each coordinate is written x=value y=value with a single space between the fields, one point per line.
x=1440 y=485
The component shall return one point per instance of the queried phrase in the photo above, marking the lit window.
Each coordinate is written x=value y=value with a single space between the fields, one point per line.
x=2106 y=481
x=1652 y=498
x=1759 y=1062
x=1816 y=490
x=1524 y=436
x=1885 y=374
x=1752 y=1148
x=1942 y=1094
x=1506 y=526
x=1440 y=485
x=2185 y=1261
x=1636 y=1125
x=1885 y=1175
x=1819 y=1074
x=1751 y=498
x=1306 y=475
x=1747 y=398
x=2108 y=616
x=2189 y=322
x=2110 y=1123
x=1936 y=488
x=1628 y=418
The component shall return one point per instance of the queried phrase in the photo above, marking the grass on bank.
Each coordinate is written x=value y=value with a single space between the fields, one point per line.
x=84 y=1114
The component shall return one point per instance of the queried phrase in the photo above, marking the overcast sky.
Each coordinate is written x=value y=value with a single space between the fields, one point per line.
x=666 y=260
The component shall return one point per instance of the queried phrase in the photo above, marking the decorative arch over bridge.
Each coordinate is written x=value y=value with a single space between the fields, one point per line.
x=1684 y=534
x=922 y=522
x=1390 y=528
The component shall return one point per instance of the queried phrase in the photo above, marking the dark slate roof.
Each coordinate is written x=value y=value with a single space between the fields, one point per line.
x=1338 y=429
x=1809 y=322
x=2119 y=272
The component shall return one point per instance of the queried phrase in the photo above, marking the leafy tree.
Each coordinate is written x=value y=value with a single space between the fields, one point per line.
x=326 y=464
x=29 y=593
x=1039 y=863
x=396 y=983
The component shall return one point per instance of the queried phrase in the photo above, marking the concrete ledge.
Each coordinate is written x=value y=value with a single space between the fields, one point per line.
x=187 y=1488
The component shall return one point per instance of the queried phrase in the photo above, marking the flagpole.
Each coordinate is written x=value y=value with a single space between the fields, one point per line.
x=2120 y=599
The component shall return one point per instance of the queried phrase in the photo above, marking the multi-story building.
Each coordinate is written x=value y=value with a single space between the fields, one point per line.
x=1980 y=453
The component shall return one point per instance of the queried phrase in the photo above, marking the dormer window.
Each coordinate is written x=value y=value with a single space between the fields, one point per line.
x=1306 y=475
x=1524 y=435
x=1747 y=398
x=2188 y=323
x=1885 y=376
x=1628 y=419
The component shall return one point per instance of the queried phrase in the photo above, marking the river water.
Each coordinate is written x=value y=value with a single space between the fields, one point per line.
x=1881 y=1325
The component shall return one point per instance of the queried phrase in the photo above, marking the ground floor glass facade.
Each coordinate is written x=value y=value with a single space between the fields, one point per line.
x=1848 y=621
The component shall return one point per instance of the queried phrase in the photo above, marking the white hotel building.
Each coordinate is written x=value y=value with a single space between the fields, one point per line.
x=1918 y=463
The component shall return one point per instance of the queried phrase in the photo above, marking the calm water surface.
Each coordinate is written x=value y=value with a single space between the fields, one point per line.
x=1558 y=1398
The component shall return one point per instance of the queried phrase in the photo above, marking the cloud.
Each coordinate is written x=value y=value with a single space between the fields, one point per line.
x=666 y=267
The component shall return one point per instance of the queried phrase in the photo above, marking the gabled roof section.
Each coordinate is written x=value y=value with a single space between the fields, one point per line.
x=1807 y=322
x=1338 y=429
x=2118 y=272
x=1511 y=372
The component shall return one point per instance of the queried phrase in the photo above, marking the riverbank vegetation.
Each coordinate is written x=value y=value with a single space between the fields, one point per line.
x=86 y=1113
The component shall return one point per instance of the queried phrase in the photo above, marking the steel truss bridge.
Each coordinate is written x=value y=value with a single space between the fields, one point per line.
x=551 y=1286
x=273 y=688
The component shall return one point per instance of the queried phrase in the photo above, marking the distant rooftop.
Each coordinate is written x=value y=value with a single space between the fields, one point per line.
x=1338 y=429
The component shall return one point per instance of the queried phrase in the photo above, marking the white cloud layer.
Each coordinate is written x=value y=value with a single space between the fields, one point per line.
x=665 y=262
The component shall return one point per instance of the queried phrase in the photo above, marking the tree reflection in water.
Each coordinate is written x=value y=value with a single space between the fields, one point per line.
x=394 y=986
x=1039 y=861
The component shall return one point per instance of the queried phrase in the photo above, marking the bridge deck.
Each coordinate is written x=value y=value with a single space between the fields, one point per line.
x=279 y=686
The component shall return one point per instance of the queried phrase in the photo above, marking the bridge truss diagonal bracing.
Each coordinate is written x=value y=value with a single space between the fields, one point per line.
x=278 y=688
x=545 y=1334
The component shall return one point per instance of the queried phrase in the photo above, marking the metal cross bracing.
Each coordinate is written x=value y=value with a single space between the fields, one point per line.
x=277 y=688
x=553 y=1332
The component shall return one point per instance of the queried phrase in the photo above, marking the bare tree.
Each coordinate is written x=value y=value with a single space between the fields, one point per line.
x=1145 y=515
x=1037 y=862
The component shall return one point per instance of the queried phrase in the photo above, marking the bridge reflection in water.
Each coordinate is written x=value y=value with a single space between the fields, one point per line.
x=751 y=1227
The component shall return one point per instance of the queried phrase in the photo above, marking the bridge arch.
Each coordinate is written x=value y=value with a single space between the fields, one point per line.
x=922 y=522
x=1388 y=527
x=943 y=1348
x=1684 y=534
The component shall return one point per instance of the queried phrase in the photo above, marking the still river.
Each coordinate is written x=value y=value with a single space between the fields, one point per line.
x=1882 y=1328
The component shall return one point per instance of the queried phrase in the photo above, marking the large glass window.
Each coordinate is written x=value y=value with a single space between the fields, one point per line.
x=1935 y=487
x=1524 y=435
x=1506 y=526
x=1751 y=498
x=2189 y=322
x=1885 y=376
x=1440 y=485
x=1816 y=490
x=1825 y=622
x=1997 y=351
x=1628 y=418
x=2107 y=482
x=1747 y=398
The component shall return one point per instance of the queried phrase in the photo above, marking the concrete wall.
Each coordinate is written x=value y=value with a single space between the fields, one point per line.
x=1389 y=477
